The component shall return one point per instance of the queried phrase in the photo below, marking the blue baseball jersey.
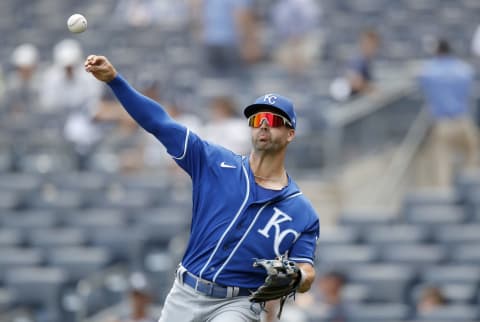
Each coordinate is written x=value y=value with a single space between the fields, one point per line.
x=233 y=222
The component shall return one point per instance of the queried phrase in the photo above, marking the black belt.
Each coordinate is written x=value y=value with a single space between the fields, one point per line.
x=212 y=289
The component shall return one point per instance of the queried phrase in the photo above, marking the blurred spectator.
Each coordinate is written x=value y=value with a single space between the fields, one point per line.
x=67 y=90
x=359 y=76
x=323 y=300
x=447 y=84
x=229 y=34
x=137 y=150
x=476 y=42
x=360 y=73
x=140 y=300
x=151 y=158
x=22 y=85
x=109 y=111
x=225 y=127
x=430 y=300
x=298 y=41
x=144 y=13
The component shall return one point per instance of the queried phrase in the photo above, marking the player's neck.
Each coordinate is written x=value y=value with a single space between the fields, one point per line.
x=269 y=171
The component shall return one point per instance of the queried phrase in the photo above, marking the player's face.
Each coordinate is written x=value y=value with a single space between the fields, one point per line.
x=269 y=134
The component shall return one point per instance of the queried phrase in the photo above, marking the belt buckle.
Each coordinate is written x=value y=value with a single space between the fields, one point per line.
x=210 y=285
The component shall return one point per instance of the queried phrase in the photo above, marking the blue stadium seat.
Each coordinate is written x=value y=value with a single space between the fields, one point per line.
x=466 y=254
x=354 y=293
x=430 y=197
x=396 y=234
x=435 y=215
x=10 y=237
x=53 y=199
x=22 y=183
x=130 y=201
x=47 y=162
x=27 y=220
x=16 y=257
x=451 y=273
x=7 y=299
x=421 y=5
x=383 y=312
x=415 y=255
x=160 y=225
x=467 y=181
x=386 y=282
x=38 y=286
x=345 y=256
x=9 y=200
x=95 y=219
x=367 y=218
x=337 y=235
x=453 y=292
x=6 y=160
x=153 y=183
x=453 y=312
x=124 y=244
x=472 y=203
x=85 y=181
x=79 y=262
x=455 y=234
x=160 y=269
x=51 y=238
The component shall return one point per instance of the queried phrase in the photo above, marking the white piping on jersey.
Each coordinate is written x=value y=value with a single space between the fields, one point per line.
x=301 y=259
x=241 y=240
x=184 y=147
x=231 y=224
x=294 y=195
x=246 y=233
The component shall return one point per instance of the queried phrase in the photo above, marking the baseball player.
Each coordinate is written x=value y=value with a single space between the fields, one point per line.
x=245 y=208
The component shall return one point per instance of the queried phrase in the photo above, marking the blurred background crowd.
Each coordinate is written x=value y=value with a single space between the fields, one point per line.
x=94 y=215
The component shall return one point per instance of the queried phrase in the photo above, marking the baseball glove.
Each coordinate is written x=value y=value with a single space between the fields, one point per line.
x=283 y=278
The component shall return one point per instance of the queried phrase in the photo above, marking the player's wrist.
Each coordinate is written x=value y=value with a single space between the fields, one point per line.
x=301 y=278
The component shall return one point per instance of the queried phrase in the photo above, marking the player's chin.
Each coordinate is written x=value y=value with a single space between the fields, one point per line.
x=264 y=146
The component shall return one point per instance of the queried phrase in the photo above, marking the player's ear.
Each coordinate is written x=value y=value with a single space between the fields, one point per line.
x=290 y=135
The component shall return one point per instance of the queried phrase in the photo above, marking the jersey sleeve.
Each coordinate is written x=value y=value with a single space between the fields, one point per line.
x=303 y=251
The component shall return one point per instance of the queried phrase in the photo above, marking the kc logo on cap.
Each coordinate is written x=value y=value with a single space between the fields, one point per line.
x=275 y=102
x=270 y=98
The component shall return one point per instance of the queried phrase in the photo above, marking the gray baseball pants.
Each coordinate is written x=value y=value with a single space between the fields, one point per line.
x=184 y=304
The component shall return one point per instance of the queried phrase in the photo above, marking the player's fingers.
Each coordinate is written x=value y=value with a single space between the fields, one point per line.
x=99 y=60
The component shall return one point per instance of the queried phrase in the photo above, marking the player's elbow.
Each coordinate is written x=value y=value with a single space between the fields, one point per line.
x=307 y=278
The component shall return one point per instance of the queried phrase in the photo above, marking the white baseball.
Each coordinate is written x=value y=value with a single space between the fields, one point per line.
x=77 y=23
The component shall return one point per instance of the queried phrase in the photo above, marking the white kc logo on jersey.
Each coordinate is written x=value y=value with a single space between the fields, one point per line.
x=270 y=98
x=277 y=218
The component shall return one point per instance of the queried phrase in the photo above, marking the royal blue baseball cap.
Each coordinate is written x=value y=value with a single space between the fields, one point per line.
x=276 y=102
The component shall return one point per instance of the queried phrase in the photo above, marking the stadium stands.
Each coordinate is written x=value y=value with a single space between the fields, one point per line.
x=62 y=220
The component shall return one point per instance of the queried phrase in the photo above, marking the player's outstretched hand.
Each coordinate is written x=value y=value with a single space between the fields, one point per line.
x=100 y=67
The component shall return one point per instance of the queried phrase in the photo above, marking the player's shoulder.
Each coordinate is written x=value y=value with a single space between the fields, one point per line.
x=217 y=153
x=301 y=203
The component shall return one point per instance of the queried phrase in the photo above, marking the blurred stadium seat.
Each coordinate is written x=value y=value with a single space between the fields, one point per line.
x=386 y=312
x=397 y=234
x=38 y=286
x=386 y=282
x=453 y=312
x=52 y=238
x=16 y=257
x=79 y=262
x=416 y=256
x=345 y=256
x=337 y=235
